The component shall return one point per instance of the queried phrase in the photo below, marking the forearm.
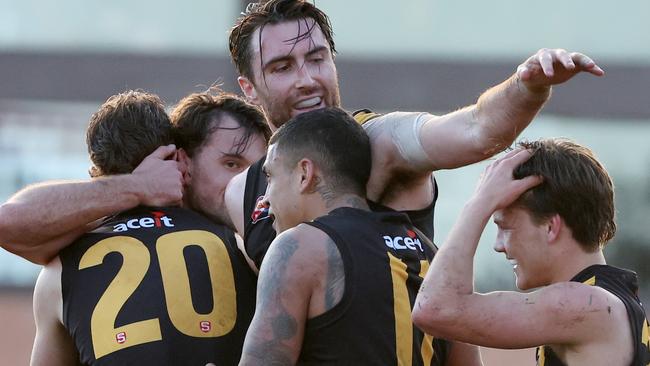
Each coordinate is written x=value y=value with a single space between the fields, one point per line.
x=503 y=112
x=44 y=212
x=449 y=281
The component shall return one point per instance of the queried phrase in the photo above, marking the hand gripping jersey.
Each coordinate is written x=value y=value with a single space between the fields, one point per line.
x=385 y=262
x=624 y=284
x=160 y=286
x=258 y=227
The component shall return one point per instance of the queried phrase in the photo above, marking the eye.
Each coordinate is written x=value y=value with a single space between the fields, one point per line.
x=280 y=68
x=317 y=59
x=231 y=164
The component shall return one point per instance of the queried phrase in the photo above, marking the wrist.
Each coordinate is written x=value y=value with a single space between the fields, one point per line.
x=531 y=92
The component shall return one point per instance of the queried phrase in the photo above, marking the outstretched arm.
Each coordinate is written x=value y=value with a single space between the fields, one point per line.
x=40 y=220
x=408 y=146
x=502 y=112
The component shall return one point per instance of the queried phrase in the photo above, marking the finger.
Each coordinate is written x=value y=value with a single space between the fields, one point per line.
x=565 y=58
x=526 y=183
x=520 y=156
x=163 y=152
x=545 y=59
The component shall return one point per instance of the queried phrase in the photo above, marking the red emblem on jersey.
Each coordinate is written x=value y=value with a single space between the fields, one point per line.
x=411 y=234
x=261 y=211
x=205 y=326
x=120 y=337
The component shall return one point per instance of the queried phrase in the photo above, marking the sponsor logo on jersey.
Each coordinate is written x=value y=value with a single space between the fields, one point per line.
x=261 y=211
x=410 y=241
x=159 y=219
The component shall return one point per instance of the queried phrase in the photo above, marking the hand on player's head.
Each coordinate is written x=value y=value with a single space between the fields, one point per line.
x=159 y=178
x=497 y=187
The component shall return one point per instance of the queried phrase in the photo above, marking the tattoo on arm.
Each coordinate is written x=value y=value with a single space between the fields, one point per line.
x=266 y=345
x=335 y=285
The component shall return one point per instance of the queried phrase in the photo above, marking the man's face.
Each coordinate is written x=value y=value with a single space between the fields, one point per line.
x=215 y=163
x=524 y=244
x=291 y=77
x=282 y=191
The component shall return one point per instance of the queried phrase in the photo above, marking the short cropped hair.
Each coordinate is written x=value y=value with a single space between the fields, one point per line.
x=334 y=141
x=576 y=186
x=197 y=115
x=259 y=14
x=126 y=128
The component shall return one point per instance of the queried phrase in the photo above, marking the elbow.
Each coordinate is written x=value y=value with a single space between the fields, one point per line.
x=35 y=255
x=435 y=317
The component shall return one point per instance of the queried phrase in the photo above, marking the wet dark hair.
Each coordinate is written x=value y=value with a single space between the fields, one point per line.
x=197 y=115
x=259 y=14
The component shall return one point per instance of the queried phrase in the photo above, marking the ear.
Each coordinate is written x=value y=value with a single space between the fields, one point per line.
x=308 y=176
x=94 y=172
x=554 y=228
x=248 y=88
x=185 y=165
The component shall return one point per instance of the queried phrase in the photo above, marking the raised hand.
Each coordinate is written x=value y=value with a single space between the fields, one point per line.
x=498 y=188
x=549 y=67
x=160 y=178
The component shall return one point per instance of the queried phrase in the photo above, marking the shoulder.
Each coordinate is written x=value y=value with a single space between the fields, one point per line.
x=303 y=249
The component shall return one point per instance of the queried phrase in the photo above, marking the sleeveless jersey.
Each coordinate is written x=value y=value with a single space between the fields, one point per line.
x=161 y=286
x=258 y=227
x=385 y=262
x=624 y=285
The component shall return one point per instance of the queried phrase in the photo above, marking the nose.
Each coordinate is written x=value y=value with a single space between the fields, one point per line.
x=499 y=247
x=304 y=77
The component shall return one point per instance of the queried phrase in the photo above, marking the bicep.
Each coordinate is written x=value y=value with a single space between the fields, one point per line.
x=283 y=294
x=453 y=140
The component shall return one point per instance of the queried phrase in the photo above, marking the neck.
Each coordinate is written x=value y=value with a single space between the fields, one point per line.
x=321 y=205
x=572 y=263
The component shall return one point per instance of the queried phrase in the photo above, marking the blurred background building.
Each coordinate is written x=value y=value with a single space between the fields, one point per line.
x=60 y=60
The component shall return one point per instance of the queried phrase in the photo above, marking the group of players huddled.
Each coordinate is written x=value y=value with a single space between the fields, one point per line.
x=277 y=229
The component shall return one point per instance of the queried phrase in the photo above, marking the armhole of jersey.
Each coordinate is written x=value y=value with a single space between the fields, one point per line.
x=364 y=115
x=339 y=309
x=250 y=191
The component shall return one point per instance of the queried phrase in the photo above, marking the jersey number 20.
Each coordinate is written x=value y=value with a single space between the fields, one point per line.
x=107 y=338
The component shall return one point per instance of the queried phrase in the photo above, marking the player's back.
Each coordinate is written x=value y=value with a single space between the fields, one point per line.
x=384 y=262
x=157 y=286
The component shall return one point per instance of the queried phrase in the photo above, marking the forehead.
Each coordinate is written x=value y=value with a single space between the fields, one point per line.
x=280 y=39
x=226 y=136
x=512 y=215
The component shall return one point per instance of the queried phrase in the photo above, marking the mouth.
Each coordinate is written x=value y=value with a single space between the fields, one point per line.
x=309 y=104
x=513 y=263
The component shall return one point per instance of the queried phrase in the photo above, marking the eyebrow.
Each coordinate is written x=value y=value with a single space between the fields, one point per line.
x=289 y=57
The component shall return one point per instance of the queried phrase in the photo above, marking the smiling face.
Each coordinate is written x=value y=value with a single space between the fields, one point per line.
x=291 y=77
x=524 y=244
x=215 y=163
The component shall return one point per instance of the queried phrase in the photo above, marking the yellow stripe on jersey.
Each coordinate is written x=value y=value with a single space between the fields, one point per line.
x=591 y=281
x=364 y=116
x=541 y=355
x=645 y=337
